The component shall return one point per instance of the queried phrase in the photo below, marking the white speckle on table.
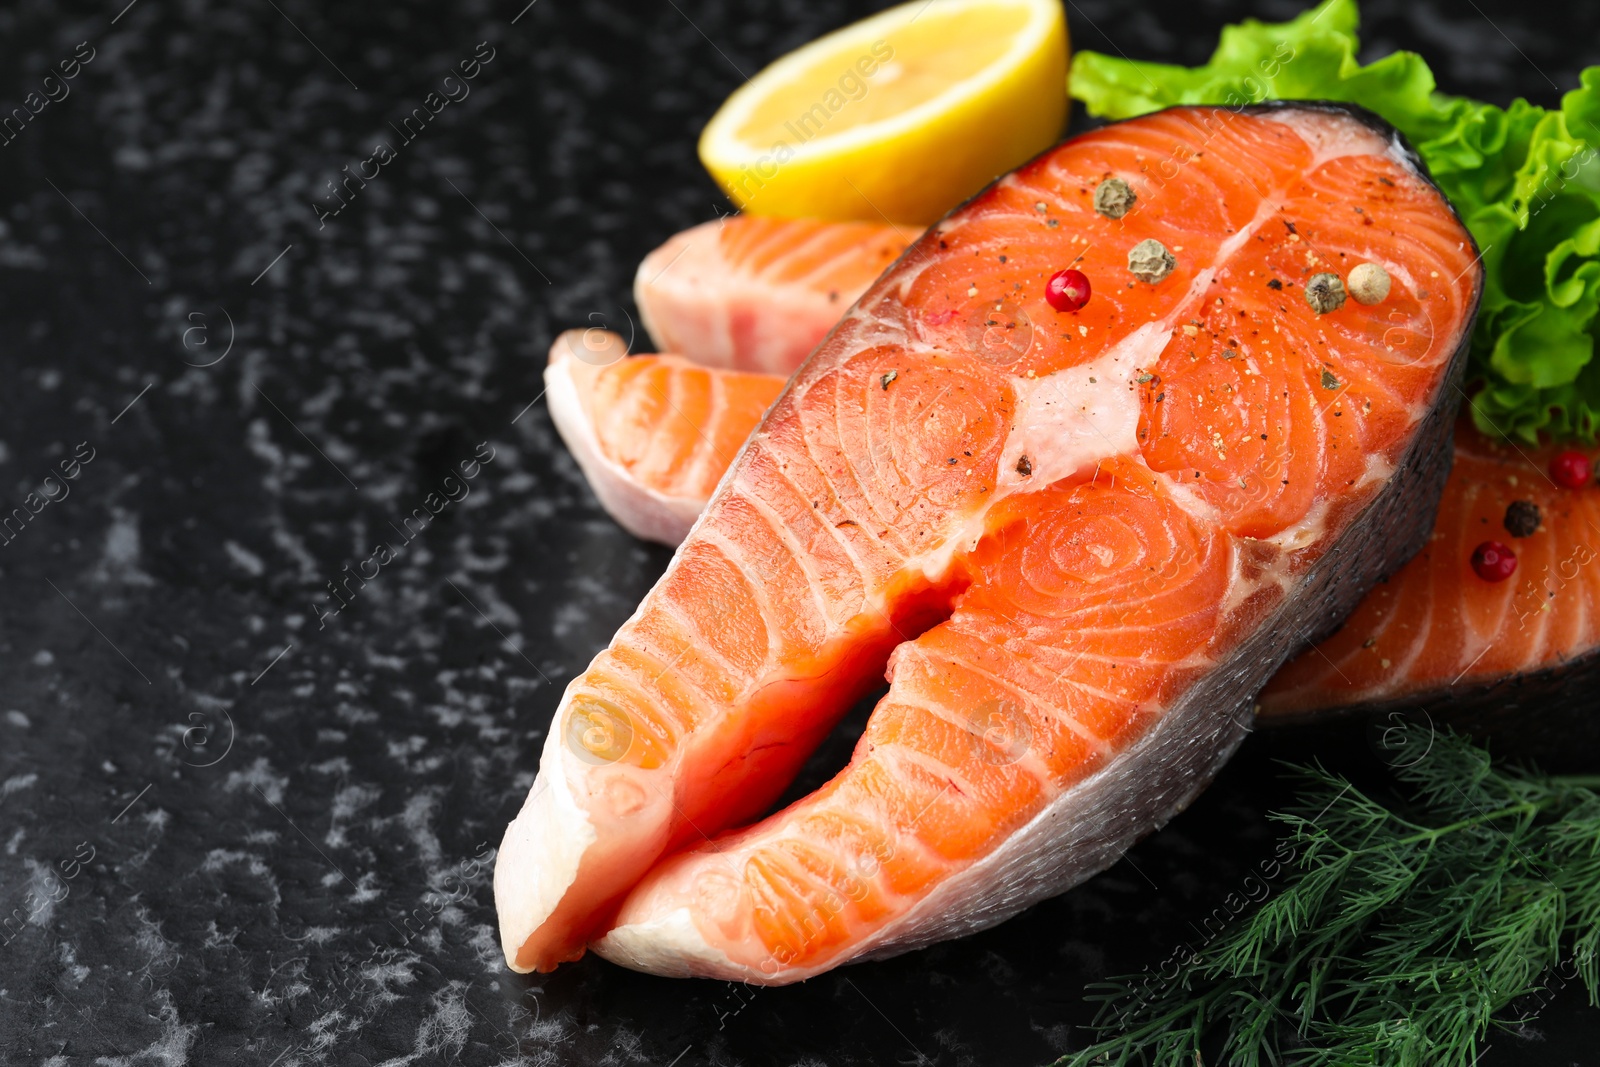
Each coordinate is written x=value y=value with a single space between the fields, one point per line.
x=73 y=971
x=170 y=1049
x=119 y=560
x=17 y=782
x=259 y=775
x=248 y=560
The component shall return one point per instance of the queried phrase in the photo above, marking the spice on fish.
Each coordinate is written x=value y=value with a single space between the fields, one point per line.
x=1114 y=198
x=1369 y=283
x=1328 y=379
x=1149 y=261
x=1024 y=466
x=1493 y=561
x=887 y=378
x=1522 y=518
x=1571 y=469
x=1325 y=292
x=1067 y=290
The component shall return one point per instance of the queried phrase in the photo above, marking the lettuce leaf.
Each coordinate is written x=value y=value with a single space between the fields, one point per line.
x=1525 y=179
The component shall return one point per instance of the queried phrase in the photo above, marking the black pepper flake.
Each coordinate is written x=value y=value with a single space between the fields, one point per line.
x=952 y=461
x=1328 y=380
x=1274 y=284
x=887 y=378
x=1387 y=182
x=1002 y=259
x=1024 y=467
x=1522 y=518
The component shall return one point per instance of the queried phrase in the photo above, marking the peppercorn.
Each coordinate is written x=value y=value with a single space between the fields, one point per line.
x=1067 y=290
x=1570 y=469
x=1114 y=198
x=1522 y=518
x=1325 y=293
x=1493 y=562
x=1369 y=283
x=1149 y=261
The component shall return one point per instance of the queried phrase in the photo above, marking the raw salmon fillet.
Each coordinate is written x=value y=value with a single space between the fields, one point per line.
x=1079 y=542
x=1437 y=635
x=653 y=434
x=758 y=294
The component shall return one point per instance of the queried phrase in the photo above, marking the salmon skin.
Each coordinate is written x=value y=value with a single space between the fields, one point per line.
x=1517 y=658
x=1079 y=542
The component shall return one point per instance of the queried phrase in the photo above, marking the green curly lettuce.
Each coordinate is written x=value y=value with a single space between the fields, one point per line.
x=1525 y=179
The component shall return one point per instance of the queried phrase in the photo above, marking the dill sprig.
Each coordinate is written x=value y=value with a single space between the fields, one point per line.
x=1404 y=930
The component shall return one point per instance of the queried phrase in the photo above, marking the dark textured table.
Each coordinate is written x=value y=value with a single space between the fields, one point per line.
x=240 y=826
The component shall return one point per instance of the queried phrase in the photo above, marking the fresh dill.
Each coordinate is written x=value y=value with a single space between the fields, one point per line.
x=1405 y=930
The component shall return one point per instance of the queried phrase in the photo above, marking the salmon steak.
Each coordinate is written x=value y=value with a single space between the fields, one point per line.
x=1437 y=637
x=652 y=434
x=1075 y=537
x=1442 y=638
x=757 y=294
x=746 y=299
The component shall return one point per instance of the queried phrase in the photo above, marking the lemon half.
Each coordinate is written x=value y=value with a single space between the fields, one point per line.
x=900 y=116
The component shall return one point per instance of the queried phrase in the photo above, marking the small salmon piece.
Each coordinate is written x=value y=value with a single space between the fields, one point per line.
x=1054 y=533
x=758 y=294
x=1438 y=632
x=653 y=434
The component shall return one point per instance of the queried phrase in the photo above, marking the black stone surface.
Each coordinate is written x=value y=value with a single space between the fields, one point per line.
x=248 y=832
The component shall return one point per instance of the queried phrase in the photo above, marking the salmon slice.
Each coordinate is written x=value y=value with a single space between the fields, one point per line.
x=758 y=294
x=1436 y=634
x=1079 y=543
x=1419 y=640
x=653 y=434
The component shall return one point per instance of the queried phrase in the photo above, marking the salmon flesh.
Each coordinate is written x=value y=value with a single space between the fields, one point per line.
x=757 y=294
x=1519 y=658
x=1075 y=543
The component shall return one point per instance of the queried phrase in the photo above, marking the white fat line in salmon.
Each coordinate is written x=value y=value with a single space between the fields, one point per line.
x=451 y=490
